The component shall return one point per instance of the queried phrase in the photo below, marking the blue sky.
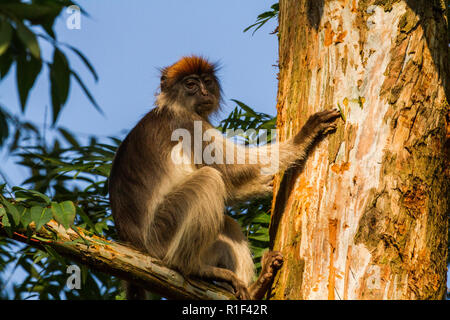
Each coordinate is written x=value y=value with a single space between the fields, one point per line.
x=127 y=41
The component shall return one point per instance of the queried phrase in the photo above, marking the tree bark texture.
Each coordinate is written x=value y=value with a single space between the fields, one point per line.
x=367 y=217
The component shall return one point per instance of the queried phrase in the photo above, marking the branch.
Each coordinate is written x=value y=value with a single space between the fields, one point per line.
x=120 y=261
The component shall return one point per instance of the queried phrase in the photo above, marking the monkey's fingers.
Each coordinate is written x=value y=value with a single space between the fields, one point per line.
x=277 y=260
x=271 y=262
x=330 y=115
x=330 y=128
x=241 y=291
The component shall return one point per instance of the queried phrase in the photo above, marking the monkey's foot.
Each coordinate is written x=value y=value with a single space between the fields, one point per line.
x=238 y=289
x=271 y=262
x=224 y=275
x=241 y=291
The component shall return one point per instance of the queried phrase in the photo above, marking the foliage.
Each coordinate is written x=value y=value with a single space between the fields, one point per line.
x=75 y=177
x=23 y=25
x=264 y=17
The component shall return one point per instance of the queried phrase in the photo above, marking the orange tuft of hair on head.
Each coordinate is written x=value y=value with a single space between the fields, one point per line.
x=188 y=65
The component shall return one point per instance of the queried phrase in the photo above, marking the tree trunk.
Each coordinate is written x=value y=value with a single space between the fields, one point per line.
x=367 y=216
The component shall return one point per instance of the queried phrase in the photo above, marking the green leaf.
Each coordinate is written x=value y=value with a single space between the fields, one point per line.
x=4 y=217
x=87 y=92
x=257 y=251
x=86 y=61
x=264 y=17
x=29 y=39
x=12 y=210
x=341 y=112
x=5 y=35
x=25 y=218
x=6 y=61
x=245 y=107
x=5 y=220
x=40 y=216
x=27 y=72
x=33 y=193
x=70 y=138
x=33 y=12
x=59 y=81
x=100 y=226
x=262 y=218
x=259 y=237
x=39 y=255
x=64 y=213
x=4 y=128
x=55 y=254
x=85 y=218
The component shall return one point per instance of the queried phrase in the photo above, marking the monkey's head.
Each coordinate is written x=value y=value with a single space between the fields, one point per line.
x=191 y=83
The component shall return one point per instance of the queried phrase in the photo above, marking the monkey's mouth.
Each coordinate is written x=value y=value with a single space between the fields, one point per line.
x=204 y=107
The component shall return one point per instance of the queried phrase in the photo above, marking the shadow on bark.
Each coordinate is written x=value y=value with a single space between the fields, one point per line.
x=286 y=186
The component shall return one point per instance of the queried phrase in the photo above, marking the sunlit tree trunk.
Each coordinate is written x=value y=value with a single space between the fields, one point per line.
x=367 y=216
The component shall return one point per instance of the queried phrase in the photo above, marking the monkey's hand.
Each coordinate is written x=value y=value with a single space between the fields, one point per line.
x=320 y=123
x=271 y=262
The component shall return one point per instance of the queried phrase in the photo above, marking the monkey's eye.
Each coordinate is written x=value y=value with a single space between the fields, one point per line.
x=208 y=82
x=190 y=84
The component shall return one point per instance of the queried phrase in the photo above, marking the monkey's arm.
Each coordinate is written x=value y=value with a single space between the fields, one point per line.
x=253 y=170
x=261 y=186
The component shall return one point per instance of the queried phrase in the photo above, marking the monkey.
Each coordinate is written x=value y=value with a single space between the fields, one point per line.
x=169 y=203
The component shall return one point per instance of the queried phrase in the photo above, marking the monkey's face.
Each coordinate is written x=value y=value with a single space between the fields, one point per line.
x=197 y=93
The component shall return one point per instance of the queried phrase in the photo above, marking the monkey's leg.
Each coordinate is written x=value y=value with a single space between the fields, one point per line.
x=231 y=252
x=271 y=262
x=196 y=210
x=198 y=205
x=216 y=273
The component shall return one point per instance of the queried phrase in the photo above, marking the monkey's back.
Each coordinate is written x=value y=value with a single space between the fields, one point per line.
x=138 y=174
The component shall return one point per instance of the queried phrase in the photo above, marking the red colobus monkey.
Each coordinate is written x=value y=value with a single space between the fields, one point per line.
x=170 y=203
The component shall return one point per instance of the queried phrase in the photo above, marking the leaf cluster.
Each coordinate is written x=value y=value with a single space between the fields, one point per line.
x=24 y=26
x=264 y=17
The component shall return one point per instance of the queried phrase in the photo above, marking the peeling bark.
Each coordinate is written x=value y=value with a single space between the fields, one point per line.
x=121 y=261
x=367 y=217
